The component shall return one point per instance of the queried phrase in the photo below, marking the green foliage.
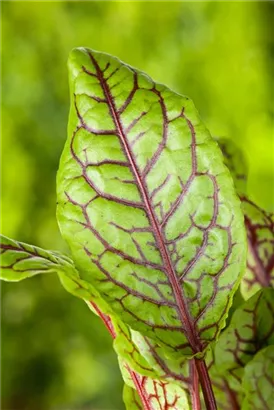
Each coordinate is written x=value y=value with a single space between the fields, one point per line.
x=20 y=261
x=258 y=381
x=260 y=261
x=131 y=212
x=251 y=329
x=217 y=53
x=59 y=367
x=145 y=203
x=131 y=399
x=236 y=163
x=259 y=226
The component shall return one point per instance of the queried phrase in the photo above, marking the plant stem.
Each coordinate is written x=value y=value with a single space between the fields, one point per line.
x=194 y=391
x=206 y=384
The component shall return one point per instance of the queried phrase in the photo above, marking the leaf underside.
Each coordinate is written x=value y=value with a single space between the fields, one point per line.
x=147 y=206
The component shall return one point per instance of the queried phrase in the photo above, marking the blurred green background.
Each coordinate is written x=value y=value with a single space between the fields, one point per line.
x=55 y=353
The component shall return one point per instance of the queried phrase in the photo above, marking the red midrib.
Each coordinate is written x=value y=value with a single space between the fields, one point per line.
x=182 y=311
x=134 y=376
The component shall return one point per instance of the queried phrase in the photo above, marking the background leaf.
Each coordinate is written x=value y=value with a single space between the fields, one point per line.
x=227 y=397
x=260 y=261
x=259 y=226
x=258 y=381
x=145 y=204
x=251 y=329
x=235 y=162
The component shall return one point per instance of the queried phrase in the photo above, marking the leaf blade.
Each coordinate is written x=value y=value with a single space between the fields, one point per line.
x=251 y=329
x=20 y=260
x=258 y=381
x=260 y=237
x=150 y=130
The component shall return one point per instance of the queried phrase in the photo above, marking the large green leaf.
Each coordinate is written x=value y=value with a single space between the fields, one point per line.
x=147 y=206
x=258 y=381
x=251 y=329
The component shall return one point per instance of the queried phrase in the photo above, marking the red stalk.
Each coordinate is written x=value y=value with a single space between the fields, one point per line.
x=195 y=394
x=206 y=384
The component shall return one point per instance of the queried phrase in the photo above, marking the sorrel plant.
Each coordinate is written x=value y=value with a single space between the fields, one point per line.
x=157 y=232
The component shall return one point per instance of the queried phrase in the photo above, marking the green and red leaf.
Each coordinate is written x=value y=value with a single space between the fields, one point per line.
x=236 y=163
x=160 y=396
x=251 y=329
x=259 y=226
x=19 y=260
x=147 y=206
x=258 y=381
x=260 y=236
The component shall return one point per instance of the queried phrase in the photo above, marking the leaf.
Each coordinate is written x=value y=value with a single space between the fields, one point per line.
x=147 y=206
x=260 y=261
x=165 y=368
x=258 y=381
x=154 y=394
x=259 y=226
x=235 y=162
x=227 y=398
x=131 y=398
x=158 y=395
x=164 y=395
x=20 y=260
x=251 y=329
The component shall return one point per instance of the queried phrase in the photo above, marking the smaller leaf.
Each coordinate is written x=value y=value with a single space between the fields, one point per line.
x=235 y=162
x=159 y=395
x=258 y=381
x=129 y=352
x=260 y=261
x=227 y=398
x=166 y=368
x=251 y=328
x=19 y=260
x=259 y=226
x=131 y=398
